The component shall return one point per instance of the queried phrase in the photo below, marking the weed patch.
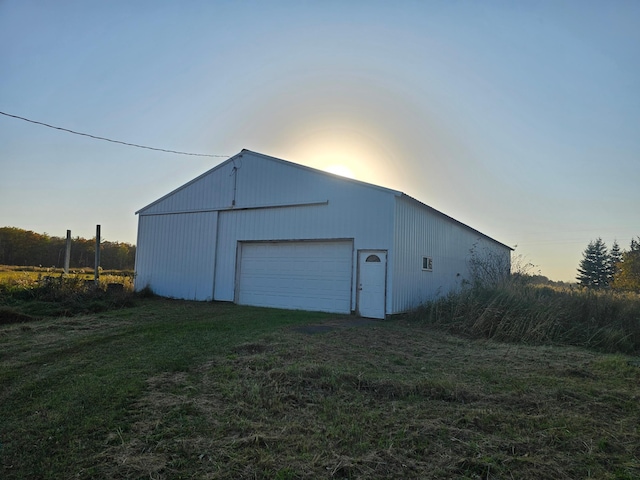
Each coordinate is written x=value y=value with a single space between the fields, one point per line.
x=25 y=296
x=524 y=313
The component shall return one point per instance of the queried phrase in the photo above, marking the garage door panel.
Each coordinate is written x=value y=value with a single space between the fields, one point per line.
x=296 y=275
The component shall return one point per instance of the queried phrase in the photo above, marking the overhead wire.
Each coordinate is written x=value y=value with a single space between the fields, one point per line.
x=96 y=137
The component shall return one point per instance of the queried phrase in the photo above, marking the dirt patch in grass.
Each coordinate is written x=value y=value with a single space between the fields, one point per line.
x=338 y=323
x=386 y=401
x=251 y=348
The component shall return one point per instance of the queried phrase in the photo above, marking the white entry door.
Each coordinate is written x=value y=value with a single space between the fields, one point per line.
x=372 y=275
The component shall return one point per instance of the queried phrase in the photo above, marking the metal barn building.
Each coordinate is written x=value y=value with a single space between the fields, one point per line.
x=257 y=230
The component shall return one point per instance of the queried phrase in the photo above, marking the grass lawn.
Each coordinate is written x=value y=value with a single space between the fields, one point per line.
x=172 y=389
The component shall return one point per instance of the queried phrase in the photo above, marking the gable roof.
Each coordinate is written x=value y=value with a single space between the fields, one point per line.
x=396 y=193
x=272 y=159
x=182 y=187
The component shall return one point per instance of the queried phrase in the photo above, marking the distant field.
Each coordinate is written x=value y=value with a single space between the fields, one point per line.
x=172 y=389
x=30 y=275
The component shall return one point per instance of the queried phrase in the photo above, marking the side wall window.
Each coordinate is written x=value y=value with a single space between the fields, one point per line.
x=427 y=264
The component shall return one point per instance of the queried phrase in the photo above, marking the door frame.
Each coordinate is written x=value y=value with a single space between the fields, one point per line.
x=386 y=263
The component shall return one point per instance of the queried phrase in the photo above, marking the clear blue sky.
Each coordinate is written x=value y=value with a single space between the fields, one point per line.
x=521 y=119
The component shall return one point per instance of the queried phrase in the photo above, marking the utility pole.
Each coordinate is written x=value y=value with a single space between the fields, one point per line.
x=96 y=275
x=67 y=253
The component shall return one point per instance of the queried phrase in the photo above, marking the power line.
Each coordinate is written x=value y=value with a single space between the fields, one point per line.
x=111 y=140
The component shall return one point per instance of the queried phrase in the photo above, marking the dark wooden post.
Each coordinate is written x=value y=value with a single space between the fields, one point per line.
x=67 y=253
x=96 y=275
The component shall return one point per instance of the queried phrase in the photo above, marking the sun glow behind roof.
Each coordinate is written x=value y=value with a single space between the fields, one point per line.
x=340 y=169
x=343 y=149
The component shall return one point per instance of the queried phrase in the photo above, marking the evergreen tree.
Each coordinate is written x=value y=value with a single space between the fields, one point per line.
x=628 y=274
x=594 y=267
x=615 y=257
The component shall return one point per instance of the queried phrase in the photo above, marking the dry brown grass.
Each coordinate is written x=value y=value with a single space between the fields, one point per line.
x=522 y=312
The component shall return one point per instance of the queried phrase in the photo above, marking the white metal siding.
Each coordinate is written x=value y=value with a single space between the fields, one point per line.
x=421 y=232
x=257 y=179
x=212 y=190
x=366 y=217
x=296 y=275
x=175 y=255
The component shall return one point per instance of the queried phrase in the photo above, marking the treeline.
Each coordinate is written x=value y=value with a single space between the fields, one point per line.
x=27 y=248
x=610 y=268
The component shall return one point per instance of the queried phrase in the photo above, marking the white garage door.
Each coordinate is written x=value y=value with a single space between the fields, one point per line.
x=296 y=275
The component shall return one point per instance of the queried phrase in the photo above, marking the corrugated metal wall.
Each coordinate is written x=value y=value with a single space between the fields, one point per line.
x=178 y=254
x=421 y=232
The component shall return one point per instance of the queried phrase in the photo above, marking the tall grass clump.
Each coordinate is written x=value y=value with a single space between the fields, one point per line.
x=515 y=308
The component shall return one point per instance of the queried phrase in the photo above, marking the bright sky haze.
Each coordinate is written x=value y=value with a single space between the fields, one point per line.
x=520 y=119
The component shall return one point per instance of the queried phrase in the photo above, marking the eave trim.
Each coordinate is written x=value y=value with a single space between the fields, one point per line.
x=241 y=207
